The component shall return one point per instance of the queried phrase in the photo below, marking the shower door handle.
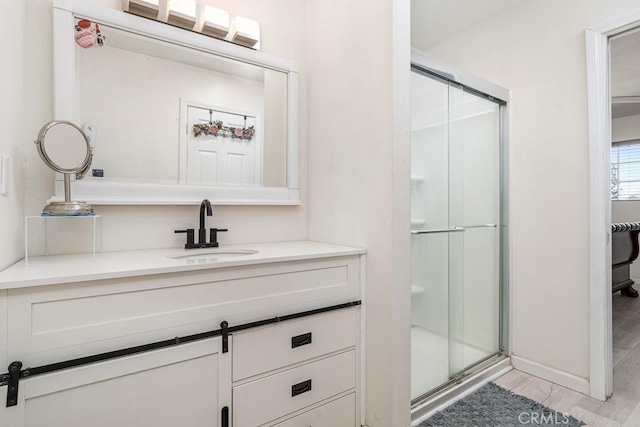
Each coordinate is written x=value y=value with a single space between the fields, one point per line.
x=439 y=230
x=481 y=226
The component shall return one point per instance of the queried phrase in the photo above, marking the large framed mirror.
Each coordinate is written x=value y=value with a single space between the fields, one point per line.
x=174 y=116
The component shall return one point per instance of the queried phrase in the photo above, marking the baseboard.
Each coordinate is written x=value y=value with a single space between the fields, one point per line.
x=570 y=381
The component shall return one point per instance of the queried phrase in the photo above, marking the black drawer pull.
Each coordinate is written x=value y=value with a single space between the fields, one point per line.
x=301 y=340
x=300 y=388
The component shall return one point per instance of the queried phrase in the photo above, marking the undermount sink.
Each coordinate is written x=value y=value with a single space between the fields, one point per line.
x=211 y=254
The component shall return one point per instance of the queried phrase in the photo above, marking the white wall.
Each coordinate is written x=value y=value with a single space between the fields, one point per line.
x=12 y=114
x=537 y=50
x=139 y=227
x=359 y=174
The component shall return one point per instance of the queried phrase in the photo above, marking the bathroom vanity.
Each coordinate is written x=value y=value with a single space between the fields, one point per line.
x=249 y=335
x=246 y=335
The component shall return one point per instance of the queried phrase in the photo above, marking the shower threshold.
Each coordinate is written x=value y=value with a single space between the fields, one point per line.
x=460 y=386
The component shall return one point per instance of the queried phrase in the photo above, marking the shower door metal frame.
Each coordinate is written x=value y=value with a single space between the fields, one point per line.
x=431 y=67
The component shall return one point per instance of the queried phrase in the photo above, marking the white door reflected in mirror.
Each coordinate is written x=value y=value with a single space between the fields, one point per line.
x=223 y=148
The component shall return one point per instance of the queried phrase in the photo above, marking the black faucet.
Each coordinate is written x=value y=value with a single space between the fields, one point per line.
x=202 y=231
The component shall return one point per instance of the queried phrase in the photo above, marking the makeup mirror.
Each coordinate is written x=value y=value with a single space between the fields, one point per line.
x=65 y=148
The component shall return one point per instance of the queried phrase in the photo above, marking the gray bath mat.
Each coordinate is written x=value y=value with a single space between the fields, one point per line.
x=493 y=406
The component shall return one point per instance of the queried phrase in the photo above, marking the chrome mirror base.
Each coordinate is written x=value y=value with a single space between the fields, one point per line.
x=67 y=208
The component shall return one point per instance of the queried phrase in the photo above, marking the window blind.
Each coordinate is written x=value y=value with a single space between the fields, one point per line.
x=625 y=170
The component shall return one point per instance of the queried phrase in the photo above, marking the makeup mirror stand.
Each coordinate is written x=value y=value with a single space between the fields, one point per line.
x=68 y=207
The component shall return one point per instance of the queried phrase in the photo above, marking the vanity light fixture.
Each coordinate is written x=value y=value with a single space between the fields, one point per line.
x=182 y=13
x=200 y=18
x=247 y=31
x=146 y=8
x=216 y=22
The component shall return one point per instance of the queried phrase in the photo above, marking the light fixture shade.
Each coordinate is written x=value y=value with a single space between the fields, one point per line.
x=182 y=13
x=216 y=22
x=146 y=8
x=247 y=32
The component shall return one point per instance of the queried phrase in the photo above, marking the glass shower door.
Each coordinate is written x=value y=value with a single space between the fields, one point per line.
x=455 y=174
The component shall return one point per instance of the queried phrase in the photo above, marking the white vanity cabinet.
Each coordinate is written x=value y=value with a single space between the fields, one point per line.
x=288 y=354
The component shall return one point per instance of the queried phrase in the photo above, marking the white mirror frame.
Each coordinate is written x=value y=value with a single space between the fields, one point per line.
x=140 y=193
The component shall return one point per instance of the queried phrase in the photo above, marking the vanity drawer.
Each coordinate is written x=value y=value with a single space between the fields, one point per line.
x=275 y=346
x=339 y=413
x=261 y=401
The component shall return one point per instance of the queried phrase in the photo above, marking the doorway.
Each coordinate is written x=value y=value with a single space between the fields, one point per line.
x=600 y=142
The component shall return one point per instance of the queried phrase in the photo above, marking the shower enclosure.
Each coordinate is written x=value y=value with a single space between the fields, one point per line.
x=458 y=227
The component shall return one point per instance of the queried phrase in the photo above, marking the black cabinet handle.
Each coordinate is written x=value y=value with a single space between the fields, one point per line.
x=224 y=331
x=300 y=340
x=225 y=417
x=300 y=388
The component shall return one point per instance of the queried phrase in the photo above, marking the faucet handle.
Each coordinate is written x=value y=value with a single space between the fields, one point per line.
x=213 y=236
x=190 y=236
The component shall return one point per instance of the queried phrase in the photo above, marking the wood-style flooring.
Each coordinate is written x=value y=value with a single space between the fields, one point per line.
x=623 y=408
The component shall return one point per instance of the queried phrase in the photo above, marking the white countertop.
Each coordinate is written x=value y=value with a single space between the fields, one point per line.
x=57 y=269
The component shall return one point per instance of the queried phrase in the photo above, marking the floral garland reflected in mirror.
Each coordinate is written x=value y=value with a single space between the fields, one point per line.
x=217 y=128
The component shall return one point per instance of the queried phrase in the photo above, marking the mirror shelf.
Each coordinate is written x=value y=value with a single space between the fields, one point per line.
x=136 y=191
x=126 y=193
